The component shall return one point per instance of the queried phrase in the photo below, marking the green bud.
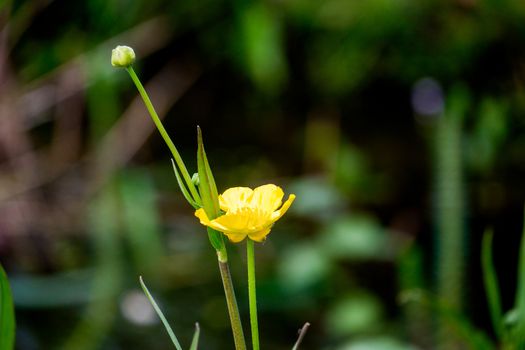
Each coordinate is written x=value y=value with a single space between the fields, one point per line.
x=195 y=179
x=122 y=56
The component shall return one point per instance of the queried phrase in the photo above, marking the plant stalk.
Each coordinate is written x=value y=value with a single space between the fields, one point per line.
x=164 y=133
x=252 y=293
x=222 y=254
x=231 y=301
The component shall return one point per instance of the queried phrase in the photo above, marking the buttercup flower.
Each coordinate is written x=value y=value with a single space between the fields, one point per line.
x=248 y=213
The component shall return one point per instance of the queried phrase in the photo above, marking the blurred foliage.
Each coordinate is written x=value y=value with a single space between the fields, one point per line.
x=349 y=104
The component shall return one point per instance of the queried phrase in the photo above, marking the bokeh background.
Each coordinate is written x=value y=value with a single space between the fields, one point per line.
x=399 y=125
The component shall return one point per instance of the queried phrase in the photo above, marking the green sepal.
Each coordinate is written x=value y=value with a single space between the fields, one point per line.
x=215 y=238
x=207 y=186
x=7 y=314
x=195 y=341
x=183 y=188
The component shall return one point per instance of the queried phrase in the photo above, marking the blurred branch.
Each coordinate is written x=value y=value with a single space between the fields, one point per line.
x=67 y=132
x=121 y=142
x=43 y=93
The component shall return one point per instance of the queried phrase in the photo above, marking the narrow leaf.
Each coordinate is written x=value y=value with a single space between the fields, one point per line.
x=174 y=339
x=195 y=341
x=183 y=188
x=7 y=314
x=207 y=186
x=491 y=283
x=209 y=194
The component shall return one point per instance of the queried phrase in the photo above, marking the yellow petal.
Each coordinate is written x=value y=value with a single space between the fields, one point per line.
x=234 y=198
x=246 y=220
x=201 y=214
x=248 y=213
x=276 y=215
x=267 y=197
x=235 y=237
x=260 y=235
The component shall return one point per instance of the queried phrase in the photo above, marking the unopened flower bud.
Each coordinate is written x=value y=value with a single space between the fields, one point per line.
x=195 y=179
x=122 y=56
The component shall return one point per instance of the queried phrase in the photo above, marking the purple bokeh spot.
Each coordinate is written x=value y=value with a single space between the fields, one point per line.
x=427 y=97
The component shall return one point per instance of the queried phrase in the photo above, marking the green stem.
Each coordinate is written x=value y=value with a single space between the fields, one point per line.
x=164 y=134
x=231 y=301
x=252 y=293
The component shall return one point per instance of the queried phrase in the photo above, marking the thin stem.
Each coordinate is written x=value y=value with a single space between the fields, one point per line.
x=231 y=301
x=165 y=136
x=252 y=293
x=302 y=333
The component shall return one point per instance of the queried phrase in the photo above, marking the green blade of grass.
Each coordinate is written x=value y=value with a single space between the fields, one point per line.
x=173 y=338
x=195 y=341
x=490 y=280
x=7 y=314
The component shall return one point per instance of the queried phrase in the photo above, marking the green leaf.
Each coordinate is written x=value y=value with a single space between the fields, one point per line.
x=7 y=314
x=183 y=188
x=207 y=186
x=174 y=339
x=195 y=341
x=491 y=283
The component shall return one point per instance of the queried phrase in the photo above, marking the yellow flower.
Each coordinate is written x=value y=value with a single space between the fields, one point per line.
x=248 y=213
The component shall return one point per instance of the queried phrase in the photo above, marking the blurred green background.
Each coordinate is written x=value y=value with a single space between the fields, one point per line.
x=399 y=125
